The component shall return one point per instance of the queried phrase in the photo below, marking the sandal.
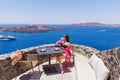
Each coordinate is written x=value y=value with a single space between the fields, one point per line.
x=62 y=72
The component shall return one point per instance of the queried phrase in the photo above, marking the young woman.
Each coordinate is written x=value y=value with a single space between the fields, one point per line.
x=66 y=55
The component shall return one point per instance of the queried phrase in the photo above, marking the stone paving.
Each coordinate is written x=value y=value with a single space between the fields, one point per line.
x=40 y=75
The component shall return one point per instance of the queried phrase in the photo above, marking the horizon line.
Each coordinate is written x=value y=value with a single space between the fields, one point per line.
x=57 y=23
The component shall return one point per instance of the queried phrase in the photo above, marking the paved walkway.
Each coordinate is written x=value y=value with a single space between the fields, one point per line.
x=40 y=75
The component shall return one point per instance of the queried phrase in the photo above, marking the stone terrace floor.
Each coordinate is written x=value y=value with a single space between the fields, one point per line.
x=40 y=75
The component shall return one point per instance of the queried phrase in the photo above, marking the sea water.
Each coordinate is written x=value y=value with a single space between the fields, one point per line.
x=101 y=38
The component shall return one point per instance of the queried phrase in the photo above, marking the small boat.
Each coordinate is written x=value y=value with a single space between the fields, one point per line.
x=103 y=30
x=7 y=37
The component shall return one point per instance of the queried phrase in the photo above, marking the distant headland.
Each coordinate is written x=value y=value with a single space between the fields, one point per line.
x=28 y=28
x=96 y=24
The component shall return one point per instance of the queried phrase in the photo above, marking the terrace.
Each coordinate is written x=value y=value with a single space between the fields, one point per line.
x=24 y=71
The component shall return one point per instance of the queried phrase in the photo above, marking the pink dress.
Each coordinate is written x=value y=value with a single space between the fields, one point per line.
x=67 y=56
x=67 y=50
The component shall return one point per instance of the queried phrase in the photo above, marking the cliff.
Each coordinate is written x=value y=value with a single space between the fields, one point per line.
x=96 y=24
x=31 y=28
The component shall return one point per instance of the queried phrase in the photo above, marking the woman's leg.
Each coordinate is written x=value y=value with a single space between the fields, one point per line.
x=58 y=58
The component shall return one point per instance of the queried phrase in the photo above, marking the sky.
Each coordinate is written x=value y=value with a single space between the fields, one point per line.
x=59 y=11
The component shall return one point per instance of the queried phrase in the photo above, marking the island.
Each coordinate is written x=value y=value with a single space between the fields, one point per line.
x=96 y=24
x=28 y=28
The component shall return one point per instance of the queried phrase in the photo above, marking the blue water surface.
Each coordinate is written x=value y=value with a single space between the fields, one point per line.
x=101 y=38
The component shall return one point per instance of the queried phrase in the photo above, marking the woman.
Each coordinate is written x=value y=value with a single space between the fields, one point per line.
x=66 y=55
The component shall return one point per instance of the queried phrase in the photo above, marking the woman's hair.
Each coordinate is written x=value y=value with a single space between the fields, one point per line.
x=66 y=37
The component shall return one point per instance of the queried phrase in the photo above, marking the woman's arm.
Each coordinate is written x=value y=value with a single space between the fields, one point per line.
x=69 y=47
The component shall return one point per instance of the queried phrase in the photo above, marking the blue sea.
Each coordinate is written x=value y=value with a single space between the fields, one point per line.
x=101 y=38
